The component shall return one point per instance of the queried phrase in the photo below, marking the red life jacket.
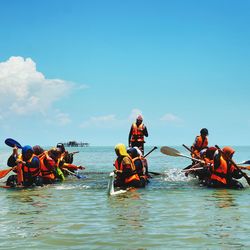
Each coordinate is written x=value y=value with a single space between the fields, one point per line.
x=137 y=133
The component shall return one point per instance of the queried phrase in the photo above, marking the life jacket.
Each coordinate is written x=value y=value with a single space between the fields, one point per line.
x=221 y=173
x=30 y=170
x=137 y=133
x=45 y=171
x=198 y=145
x=139 y=167
x=119 y=166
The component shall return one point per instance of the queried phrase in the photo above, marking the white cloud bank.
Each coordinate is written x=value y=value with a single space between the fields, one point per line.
x=24 y=90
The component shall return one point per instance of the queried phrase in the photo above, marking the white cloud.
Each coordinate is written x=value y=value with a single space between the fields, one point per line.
x=25 y=91
x=108 y=120
x=63 y=118
x=171 y=118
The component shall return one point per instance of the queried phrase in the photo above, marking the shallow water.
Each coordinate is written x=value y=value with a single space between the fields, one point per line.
x=173 y=211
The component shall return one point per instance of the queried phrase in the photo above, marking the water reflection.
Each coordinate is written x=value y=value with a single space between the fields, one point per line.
x=130 y=211
x=224 y=198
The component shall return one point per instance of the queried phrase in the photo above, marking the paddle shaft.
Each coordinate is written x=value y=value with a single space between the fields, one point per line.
x=191 y=151
x=234 y=164
x=154 y=148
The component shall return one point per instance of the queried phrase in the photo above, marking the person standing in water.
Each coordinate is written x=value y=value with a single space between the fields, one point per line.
x=136 y=135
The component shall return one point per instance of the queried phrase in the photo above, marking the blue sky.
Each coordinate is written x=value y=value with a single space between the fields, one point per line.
x=82 y=70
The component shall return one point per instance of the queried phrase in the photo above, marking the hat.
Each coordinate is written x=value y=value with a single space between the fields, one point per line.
x=139 y=117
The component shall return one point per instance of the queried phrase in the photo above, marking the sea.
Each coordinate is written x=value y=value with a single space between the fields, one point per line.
x=172 y=212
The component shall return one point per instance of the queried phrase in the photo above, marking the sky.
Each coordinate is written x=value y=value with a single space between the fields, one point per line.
x=83 y=70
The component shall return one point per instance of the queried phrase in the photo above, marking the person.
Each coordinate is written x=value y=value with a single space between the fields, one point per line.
x=223 y=172
x=28 y=168
x=48 y=165
x=140 y=169
x=65 y=155
x=125 y=169
x=201 y=142
x=136 y=134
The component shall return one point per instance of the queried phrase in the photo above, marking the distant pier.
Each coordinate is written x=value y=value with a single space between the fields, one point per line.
x=76 y=144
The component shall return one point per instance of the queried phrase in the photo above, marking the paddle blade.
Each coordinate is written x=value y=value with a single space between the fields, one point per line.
x=11 y=143
x=244 y=162
x=170 y=151
x=4 y=172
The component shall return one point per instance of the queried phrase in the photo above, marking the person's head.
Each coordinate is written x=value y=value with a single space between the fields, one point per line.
x=132 y=152
x=54 y=153
x=38 y=150
x=27 y=152
x=228 y=151
x=61 y=147
x=120 y=150
x=139 y=152
x=139 y=119
x=204 y=132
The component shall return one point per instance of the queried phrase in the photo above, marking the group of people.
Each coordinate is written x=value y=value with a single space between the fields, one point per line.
x=35 y=166
x=131 y=167
x=217 y=167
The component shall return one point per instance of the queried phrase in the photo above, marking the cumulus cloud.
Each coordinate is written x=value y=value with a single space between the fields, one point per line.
x=24 y=90
x=170 y=118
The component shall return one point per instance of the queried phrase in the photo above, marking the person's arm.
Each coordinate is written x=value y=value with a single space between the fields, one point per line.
x=11 y=161
x=129 y=136
x=145 y=131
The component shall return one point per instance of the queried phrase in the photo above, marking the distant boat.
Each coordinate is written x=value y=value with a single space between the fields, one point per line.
x=76 y=144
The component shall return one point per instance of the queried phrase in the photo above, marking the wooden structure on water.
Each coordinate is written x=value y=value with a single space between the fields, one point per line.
x=76 y=144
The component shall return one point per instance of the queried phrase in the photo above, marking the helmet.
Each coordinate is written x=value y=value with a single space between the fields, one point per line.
x=228 y=151
x=204 y=131
x=27 y=149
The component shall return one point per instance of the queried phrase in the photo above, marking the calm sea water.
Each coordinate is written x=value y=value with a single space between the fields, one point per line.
x=172 y=212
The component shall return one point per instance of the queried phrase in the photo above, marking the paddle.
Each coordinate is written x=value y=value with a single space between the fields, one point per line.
x=76 y=175
x=234 y=164
x=173 y=152
x=190 y=150
x=4 y=172
x=247 y=167
x=12 y=143
x=244 y=162
x=154 y=148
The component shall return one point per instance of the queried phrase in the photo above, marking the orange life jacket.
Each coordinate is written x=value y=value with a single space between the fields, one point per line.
x=220 y=173
x=137 y=133
x=45 y=171
x=134 y=175
x=29 y=170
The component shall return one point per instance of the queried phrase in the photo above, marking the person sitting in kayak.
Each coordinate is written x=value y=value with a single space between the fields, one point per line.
x=28 y=167
x=200 y=143
x=125 y=170
x=138 y=165
x=223 y=171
